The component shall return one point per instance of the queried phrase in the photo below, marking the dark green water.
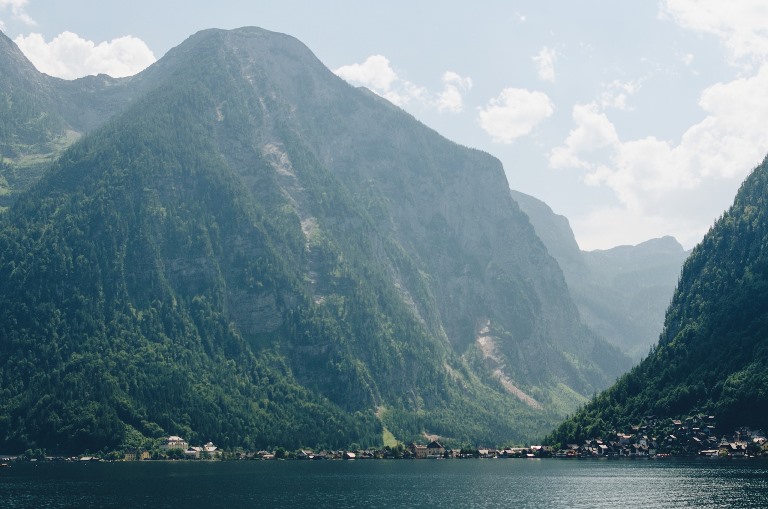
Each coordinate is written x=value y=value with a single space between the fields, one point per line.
x=390 y=484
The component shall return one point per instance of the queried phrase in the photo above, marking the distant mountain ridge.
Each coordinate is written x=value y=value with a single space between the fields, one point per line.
x=243 y=248
x=712 y=356
x=41 y=115
x=622 y=292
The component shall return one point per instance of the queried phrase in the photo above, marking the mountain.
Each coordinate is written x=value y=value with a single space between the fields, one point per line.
x=243 y=248
x=630 y=291
x=29 y=126
x=40 y=116
x=712 y=356
x=623 y=292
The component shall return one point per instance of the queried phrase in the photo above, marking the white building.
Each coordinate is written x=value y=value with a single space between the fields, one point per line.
x=174 y=442
x=208 y=451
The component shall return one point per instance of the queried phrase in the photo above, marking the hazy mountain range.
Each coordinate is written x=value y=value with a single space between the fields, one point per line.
x=622 y=293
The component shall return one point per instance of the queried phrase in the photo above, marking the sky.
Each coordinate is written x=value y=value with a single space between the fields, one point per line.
x=634 y=119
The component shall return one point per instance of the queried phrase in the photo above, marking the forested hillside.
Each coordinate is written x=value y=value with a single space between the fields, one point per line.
x=246 y=249
x=712 y=357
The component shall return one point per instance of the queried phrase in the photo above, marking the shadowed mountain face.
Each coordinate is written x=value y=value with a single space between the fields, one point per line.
x=623 y=292
x=242 y=247
x=711 y=357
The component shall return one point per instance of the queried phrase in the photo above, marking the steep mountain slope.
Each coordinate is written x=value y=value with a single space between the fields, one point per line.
x=712 y=356
x=252 y=251
x=29 y=126
x=40 y=116
x=623 y=292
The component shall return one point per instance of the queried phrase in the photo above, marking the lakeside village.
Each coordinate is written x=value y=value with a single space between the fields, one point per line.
x=665 y=438
x=654 y=438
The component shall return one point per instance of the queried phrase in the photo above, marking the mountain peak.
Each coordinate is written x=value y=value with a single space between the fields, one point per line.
x=15 y=68
x=665 y=244
x=246 y=43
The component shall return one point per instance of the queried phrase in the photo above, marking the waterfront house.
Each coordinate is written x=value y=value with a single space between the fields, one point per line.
x=136 y=455
x=206 y=452
x=305 y=454
x=174 y=442
x=419 y=451
x=434 y=448
x=210 y=451
x=738 y=449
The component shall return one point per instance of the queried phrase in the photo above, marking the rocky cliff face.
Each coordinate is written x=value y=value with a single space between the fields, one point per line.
x=304 y=240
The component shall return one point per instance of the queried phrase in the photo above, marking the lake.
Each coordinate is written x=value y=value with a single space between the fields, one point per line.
x=390 y=483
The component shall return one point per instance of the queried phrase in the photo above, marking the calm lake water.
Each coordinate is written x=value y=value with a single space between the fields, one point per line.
x=391 y=484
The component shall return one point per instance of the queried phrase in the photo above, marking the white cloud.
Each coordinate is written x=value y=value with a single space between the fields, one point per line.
x=377 y=74
x=741 y=25
x=514 y=113
x=545 y=63
x=677 y=186
x=593 y=131
x=451 y=98
x=13 y=4
x=70 y=56
x=682 y=182
x=616 y=94
x=17 y=11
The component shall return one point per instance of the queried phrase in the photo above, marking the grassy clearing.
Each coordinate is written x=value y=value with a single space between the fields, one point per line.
x=389 y=439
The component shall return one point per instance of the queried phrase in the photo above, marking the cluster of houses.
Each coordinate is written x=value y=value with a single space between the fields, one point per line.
x=177 y=444
x=432 y=450
x=660 y=438
x=174 y=446
x=435 y=450
x=694 y=436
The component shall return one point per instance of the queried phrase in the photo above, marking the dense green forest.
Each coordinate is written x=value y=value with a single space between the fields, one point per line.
x=712 y=356
x=100 y=349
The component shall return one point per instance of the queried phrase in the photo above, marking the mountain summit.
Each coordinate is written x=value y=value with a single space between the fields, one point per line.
x=244 y=248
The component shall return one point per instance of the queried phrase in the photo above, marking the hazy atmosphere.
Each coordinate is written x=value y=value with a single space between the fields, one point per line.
x=634 y=120
x=243 y=231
